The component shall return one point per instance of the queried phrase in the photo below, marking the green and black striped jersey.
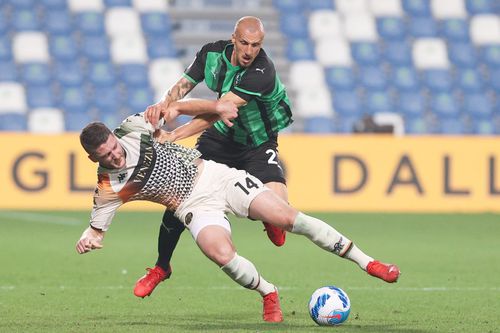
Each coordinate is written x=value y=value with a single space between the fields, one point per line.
x=268 y=108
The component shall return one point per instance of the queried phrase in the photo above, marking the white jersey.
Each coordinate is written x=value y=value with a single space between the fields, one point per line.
x=162 y=173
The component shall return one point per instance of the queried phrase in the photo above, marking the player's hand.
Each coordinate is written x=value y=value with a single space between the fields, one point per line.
x=227 y=111
x=91 y=239
x=170 y=114
x=154 y=112
x=163 y=136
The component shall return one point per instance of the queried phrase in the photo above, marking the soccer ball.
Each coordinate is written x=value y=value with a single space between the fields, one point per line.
x=329 y=306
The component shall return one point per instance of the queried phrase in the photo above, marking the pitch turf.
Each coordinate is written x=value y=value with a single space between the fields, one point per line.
x=450 y=281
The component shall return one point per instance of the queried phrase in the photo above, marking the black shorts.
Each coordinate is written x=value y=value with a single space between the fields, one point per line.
x=261 y=162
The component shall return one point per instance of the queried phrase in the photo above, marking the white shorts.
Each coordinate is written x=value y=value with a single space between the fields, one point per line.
x=219 y=190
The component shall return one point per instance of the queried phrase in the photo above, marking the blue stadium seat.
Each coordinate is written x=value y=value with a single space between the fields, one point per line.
x=445 y=105
x=424 y=26
x=483 y=127
x=107 y=99
x=101 y=74
x=391 y=28
x=347 y=103
x=76 y=121
x=478 y=106
x=469 y=80
x=63 y=48
x=36 y=74
x=5 y=48
x=91 y=23
x=455 y=30
x=300 y=49
x=54 y=4
x=294 y=25
x=372 y=78
x=134 y=75
x=416 y=126
x=58 y=22
x=475 y=7
x=13 y=122
x=462 y=54
x=411 y=104
x=69 y=74
x=289 y=6
x=378 y=101
x=156 y=24
x=398 y=53
x=437 y=80
x=40 y=96
x=3 y=23
x=345 y=123
x=405 y=78
x=161 y=47
x=490 y=55
x=138 y=99
x=340 y=78
x=318 y=125
x=451 y=126
x=494 y=81
x=319 y=4
x=25 y=20
x=73 y=100
x=8 y=71
x=366 y=53
x=417 y=7
x=117 y=3
x=96 y=48
x=22 y=4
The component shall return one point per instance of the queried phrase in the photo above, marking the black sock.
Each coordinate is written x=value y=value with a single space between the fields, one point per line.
x=170 y=231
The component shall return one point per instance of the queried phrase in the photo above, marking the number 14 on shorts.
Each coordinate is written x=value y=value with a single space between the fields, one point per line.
x=249 y=184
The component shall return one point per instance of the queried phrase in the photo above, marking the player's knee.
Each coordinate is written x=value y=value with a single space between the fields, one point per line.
x=221 y=255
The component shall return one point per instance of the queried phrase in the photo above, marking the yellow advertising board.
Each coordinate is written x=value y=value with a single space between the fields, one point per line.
x=325 y=173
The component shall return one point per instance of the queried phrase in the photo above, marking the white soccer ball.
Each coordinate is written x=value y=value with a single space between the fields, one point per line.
x=329 y=306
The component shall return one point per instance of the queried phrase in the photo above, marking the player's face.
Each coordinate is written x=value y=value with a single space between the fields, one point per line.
x=110 y=154
x=247 y=46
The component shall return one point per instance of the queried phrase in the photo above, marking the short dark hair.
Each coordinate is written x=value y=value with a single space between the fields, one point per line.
x=94 y=135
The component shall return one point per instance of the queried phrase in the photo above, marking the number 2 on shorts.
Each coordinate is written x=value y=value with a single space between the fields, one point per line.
x=249 y=184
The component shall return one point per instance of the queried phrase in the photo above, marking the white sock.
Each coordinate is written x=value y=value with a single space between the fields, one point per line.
x=243 y=272
x=358 y=256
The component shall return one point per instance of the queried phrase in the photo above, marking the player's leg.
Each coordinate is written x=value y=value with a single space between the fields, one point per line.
x=170 y=232
x=271 y=208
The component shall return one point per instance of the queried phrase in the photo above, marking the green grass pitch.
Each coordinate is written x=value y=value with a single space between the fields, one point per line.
x=450 y=281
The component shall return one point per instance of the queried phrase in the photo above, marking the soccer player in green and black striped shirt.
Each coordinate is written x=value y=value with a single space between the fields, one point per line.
x=238 y=70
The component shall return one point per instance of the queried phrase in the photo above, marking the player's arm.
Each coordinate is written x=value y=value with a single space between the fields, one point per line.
x=91 y=239
x=178 y=91
x=225 y=109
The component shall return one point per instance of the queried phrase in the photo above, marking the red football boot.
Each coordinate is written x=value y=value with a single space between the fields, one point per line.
x=387 y=272
x=146 y=284
x=272 y=310
x=275 y=234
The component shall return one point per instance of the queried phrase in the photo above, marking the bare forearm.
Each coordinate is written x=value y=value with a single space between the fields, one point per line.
x=195 y=126
x=194 y=107
x=178 y=91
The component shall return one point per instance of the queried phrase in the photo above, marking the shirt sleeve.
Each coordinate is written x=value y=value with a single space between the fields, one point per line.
x=104 y=209
x=137 y=123
x=196 y=71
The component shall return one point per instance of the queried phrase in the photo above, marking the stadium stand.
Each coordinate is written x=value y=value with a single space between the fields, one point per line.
x=434 y=64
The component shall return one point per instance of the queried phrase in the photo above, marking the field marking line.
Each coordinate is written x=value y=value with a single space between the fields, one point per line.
x=41 y=217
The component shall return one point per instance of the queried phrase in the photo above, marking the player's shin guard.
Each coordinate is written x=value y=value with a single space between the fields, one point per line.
x=245 y=274
x=321 y=234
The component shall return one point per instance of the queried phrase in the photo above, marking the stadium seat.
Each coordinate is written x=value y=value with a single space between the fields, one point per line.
x=145 y=6
x=397 y=53
x=455 y=30
x=122 y=21
x=469 y=80
x=4 y=26
x=46 y=121
x=25 y=20
x=378 y=101
x=340 y=78
x=300 y=49
x=8 y=71
x=360 y=27
x=30 y=47
x=305 y=74
x=416 y=7
x=73 y=100
x=485 y=29
x=13 y=98
x=128 y=49
x=391 y=28
x=405 y=78
x=96 y=48
x=430 y=53
x=294 y=25
x=86 y=6
x=351 y=6
x=445 y=105
x=13 y=122
x=164 y=72
x=411 y=104
x=63 y=48
x=333 y=52
x=90 y=23
x=40 y=96
x=289 y=6
x=386 y=8
x=156 y=24
x=313 y=102
x=76 y=121
x=366 y=53
x=101 y=74
x=476 y=7
x=416 y=126
x=138 y=99
x=318 y=125
x=5 y=49
x=451 y=126
x=437 y=80
x=372 y=78
x=161 y=47
x=324 y=24
x=463 y=55
x=490 y=55
x=55 y=4
x=347 y=103
x=422 y=27
x=107 y=99
x=313 y=5
x=21 y=4
x=345 y=124
x=478 y=106
x=448 y=9
x=483 y=127
x=58 y=22
x=494 y=81
x=117 y=3
x=69 y=73
x=134 y=75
